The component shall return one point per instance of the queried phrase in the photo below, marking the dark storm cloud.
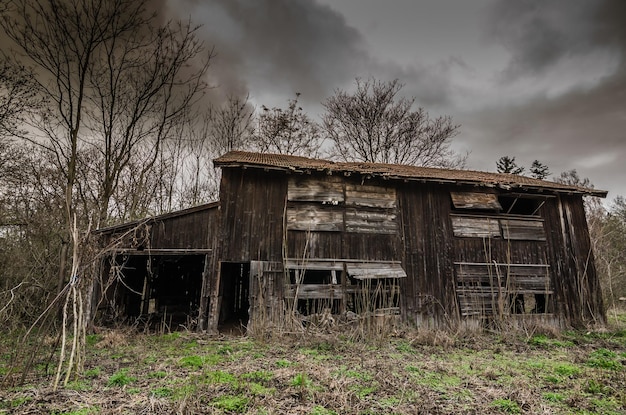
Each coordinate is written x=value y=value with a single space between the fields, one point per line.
x=278 y=47
x=281 y=46
x=540 y=33
x=582 y=127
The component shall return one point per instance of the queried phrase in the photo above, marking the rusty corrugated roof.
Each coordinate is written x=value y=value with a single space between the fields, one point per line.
x=395 y=171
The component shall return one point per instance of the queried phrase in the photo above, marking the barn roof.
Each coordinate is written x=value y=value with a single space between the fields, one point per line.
x=397 y=171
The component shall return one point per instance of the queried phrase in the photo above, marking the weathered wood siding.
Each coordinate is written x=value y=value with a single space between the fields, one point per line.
x=576 y=283
x=189 y=229
x=252 y=205
x=428 y=295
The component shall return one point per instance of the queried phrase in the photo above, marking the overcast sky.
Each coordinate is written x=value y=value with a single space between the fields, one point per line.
x=533 y=79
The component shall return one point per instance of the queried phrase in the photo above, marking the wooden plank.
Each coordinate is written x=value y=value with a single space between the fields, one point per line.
x=313 y=264
x=529 y=230
x=308 y=217
x=475 y=200
x=362 y=271
x=369 y=221
x=314 y=291
x=308 y=189
x=475 y=227
x=370 y=196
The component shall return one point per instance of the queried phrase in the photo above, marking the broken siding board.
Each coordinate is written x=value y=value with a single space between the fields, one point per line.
x=475 y=200
x=314 y=291
x=329 y=190
x=531 y=230
x=375 y=270
x=370 y=196
x=314 y=218
x=368 y=221
x=475 y=227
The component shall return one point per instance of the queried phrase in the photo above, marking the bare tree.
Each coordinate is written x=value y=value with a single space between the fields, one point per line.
x=373 y=124
x=142 y=90
x=18 y=97
x=288 y=131
x=232 y=125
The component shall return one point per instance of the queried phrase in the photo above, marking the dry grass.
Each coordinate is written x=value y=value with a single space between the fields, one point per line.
x=414 y=371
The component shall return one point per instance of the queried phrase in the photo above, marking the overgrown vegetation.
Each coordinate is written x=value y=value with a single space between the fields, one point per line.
x=409 y=372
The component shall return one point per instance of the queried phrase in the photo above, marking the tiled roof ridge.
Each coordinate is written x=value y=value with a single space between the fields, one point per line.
x=289 y=162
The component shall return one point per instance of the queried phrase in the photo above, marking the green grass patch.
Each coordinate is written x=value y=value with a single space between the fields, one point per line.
x=92 y=339
x=258 y=376
x=162 y=392
x=283 y=363
x=159 y=374
x=320 y=410
x=193 y=361
x=604 y=359
x=80 y=385
x=507 y=406
x=259 y=390
x=301 y=380
x=553 y=397
x=567 y=370
x=237 y=404
x=120 y=378
x=92 y=373
x=220 y=377
x=363 y=390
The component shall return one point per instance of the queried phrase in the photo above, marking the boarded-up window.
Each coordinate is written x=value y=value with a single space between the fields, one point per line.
x=475 y=200
x=475 y=227
x=498 y=226
x=318 y=204
x=487 y=289
x=529 y=230
x=371 y=221
x=370 y=196
x=307 y=217
x=307 y=189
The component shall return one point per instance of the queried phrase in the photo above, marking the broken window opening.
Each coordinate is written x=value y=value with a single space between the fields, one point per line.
x=516 y=205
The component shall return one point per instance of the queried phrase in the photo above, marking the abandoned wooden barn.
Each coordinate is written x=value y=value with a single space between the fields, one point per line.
x=298 y=236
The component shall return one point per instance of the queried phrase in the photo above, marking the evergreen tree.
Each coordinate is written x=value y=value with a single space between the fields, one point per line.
x=506 y=164
x=538 y=170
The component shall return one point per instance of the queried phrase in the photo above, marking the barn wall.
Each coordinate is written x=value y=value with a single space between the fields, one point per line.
x=189 y=231
x=252 y=204
x=571 y=257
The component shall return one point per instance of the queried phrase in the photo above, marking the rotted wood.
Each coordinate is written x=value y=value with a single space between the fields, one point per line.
x=371 y=221
x=370 y=196
x=529 y=230
x=308 y=189
x=475 y=227
x=475 y=200
x=309 y=217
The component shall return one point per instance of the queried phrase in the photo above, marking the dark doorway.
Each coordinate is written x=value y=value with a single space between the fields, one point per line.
x=235 y=294
x=159 y=289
